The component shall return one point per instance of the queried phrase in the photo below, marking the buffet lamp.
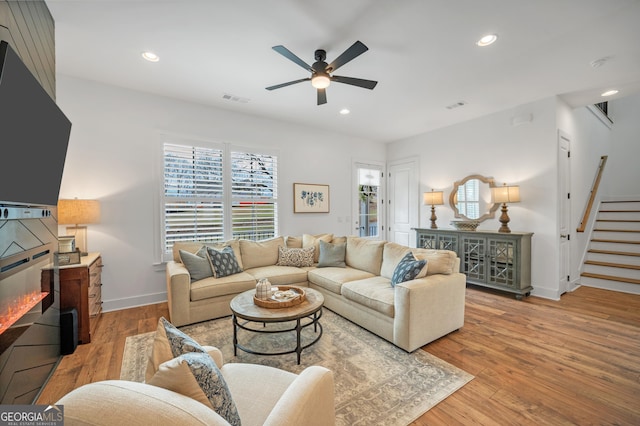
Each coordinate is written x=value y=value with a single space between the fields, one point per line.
x=76 y=212
x=505 y=194
x=433 y=198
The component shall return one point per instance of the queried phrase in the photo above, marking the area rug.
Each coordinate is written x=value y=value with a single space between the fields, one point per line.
x=376 y=383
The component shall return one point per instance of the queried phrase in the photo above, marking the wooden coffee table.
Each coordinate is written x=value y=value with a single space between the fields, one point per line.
x=254 y=318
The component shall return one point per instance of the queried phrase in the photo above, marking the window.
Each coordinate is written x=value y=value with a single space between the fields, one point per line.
x=368 y=219
x=217 y=193
x=468 y=199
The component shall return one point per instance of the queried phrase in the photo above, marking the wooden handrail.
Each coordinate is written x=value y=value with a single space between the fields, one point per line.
x=592 y=196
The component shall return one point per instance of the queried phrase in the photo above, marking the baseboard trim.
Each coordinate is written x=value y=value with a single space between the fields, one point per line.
x=133 y=302
x=546 y=293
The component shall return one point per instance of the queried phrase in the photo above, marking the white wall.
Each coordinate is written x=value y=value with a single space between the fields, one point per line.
x=622 y=176
x=114 y=153
x=522 y=154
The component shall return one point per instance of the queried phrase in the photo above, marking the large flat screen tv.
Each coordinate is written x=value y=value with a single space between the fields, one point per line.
x=34 y=134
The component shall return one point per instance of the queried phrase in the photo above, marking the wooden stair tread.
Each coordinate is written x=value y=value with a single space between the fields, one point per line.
x=601 y=240
x=619 y=211
x=610 y=278
x=617 y=230
x=618 y=220
x=612 y=265
x=615 y=253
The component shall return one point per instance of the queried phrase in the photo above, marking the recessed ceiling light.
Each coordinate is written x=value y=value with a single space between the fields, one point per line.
x=609 y=92
x=487 y=40
x=150 y=56
x=344 y=111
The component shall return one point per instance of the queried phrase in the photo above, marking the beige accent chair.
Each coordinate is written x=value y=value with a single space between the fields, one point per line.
x=263 y=396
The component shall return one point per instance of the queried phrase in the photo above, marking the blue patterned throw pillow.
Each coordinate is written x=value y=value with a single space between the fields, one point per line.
x=224 y=262
x=179 y=342
x=196 y=375
x=407 y=269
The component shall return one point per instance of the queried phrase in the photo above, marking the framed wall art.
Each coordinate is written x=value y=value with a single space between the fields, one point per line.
x=310 y=198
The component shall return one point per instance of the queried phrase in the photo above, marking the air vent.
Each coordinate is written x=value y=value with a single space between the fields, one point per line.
x=235 y=98
x=456 y=105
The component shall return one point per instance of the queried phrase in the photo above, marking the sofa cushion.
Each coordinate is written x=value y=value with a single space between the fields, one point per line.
x=293 y=242
x=295 y=256
x=364 y=254
x=196 y=375
x=214 y=287
x=279 y=275
x=223 y=261
x=332 y=255
x=198 y=264
x=168 y=343
x=408 y=269
x=333 y=278
x=260 y=253
x=309 y=240
x=375 y=293
x=255 y=403
x=439 y=261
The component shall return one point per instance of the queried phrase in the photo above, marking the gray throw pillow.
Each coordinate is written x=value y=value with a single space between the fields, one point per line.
x=198 y=264
x=332 y=255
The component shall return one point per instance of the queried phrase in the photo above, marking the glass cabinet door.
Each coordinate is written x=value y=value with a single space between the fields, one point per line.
x=473 y=261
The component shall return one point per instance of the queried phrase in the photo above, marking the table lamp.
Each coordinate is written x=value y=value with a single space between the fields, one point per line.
x=433 y=198
x=505 y=194
x=76 y=212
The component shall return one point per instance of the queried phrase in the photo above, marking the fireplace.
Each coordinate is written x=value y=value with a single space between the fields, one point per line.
x=29 y=306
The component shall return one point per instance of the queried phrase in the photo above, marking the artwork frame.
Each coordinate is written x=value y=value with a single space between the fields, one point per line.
x=310 y=198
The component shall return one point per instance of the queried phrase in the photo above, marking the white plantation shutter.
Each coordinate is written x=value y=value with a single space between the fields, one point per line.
x=193 y=194
x=254 y=195
x=195 y=191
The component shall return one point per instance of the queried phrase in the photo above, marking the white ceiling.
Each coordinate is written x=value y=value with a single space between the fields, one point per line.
x=422 y=52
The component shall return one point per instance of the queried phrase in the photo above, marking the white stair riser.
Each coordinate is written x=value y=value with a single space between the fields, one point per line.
x=610 y=285
x=612 y=258
x=614 y=272
x=631 y=248
x=612 y=235
x=619 y=216
x=618 y=225
x=626 y=205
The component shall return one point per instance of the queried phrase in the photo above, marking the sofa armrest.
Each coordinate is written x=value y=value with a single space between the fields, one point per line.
x=427 y=309
x=119 y=402
x=308 y=401
x=178 y=293
x=215 y=354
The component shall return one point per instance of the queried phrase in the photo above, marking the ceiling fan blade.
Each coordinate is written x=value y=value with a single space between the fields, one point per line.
x=292 y=57
x=289 y=83
x=356 y=49
x=367 y=84
x=322 y=96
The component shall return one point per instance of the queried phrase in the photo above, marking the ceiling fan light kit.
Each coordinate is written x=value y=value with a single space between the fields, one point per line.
x=321 y=72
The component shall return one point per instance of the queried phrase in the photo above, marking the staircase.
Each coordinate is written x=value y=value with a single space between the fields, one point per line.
x=613 y=257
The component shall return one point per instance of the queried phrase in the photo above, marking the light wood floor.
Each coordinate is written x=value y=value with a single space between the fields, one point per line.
x=536 y=361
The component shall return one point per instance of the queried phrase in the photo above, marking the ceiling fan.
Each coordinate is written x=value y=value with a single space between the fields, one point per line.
x=321 y=73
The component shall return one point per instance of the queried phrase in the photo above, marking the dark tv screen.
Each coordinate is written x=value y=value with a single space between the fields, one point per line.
x=34 y=135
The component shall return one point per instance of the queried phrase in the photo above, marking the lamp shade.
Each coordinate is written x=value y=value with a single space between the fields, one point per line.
x=433 y=198
x=506 y=194
x=74 y=212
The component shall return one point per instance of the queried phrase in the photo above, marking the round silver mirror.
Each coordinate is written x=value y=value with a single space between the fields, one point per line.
x=471 y=198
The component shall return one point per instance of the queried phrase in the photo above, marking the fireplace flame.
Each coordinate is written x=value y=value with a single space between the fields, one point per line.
x=19 y=307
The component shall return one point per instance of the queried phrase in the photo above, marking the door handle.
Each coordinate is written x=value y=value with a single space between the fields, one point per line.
x=564 y=236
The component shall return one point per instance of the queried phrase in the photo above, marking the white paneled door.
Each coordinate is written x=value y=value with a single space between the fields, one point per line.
x=403 y=205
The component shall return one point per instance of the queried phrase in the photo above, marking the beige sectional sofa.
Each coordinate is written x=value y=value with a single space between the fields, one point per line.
x=409 y=314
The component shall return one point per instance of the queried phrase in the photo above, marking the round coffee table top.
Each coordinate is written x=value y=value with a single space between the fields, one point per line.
x=243 y=307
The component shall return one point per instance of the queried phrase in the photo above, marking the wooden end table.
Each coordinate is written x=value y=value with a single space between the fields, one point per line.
x=243 y=308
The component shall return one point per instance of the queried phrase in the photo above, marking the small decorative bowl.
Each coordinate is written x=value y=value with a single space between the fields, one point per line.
x=465 y=225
